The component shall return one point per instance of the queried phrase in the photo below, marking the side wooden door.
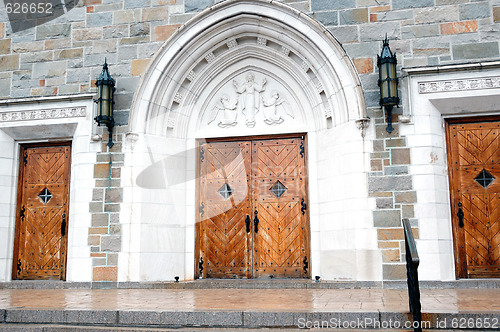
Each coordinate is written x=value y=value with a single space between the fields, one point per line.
x=474 y=163
x=41 y=240
x=279 y=199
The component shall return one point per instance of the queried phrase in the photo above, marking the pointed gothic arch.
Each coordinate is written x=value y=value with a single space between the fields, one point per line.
x=261 y=35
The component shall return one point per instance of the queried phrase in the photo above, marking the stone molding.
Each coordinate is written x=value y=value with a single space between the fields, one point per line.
x=322 y=69
x=459 y=85
x=54 y=113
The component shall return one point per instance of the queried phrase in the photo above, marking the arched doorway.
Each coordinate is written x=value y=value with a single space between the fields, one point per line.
x=238 y=70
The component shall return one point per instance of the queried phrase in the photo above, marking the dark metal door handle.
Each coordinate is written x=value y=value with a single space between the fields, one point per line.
x=63 y=225
x=248 y=221
x=256 y=222
x=460 y=215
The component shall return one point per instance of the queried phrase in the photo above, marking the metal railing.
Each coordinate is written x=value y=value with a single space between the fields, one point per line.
x=412 y=262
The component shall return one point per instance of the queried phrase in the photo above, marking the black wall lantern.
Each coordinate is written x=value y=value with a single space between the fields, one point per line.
x=388 y=82
x=105 y=89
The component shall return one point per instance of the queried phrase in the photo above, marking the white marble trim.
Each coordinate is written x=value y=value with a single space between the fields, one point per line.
x=459 y=85
x=54 y=113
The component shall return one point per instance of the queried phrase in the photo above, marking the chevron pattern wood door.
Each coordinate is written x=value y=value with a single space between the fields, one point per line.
x=280 y=202
x=250 y=226
x=474 y=156
x=42 y=214
x=224 y=204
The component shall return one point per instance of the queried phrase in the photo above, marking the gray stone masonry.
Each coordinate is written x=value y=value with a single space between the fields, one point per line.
x=129 y=32
x=105 y=231
x=65 y=56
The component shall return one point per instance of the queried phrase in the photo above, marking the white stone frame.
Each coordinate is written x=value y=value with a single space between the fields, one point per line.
x=434 y=95
x=49 y=119
x=226 y=40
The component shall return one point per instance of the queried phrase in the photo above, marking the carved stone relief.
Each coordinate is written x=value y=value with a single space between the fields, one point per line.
x=228 y=110
x=274 y=108
x=248 y=99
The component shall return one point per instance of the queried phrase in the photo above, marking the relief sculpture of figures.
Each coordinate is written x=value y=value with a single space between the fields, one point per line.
x=249 y=101
x=229 y=112
x=273 y=108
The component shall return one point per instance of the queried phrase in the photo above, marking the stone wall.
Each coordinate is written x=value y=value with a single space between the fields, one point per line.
x=64 y=57
x=391 y=184
x=105 y=231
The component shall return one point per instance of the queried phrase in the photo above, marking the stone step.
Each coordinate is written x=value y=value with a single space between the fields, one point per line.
x=90 y=328
x=238 y=320
x=250 y=284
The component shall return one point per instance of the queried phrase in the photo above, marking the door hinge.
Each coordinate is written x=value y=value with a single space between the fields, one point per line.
x=202 y=155
x=304 y=206
x=460 y=215
x=200 y=267
x=302 y=149
x=21 y=213
x=201 y=209
x=25 y=158
x=19 y=267
x=306 y=265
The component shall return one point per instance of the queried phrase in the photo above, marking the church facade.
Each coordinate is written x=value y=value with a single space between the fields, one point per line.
x=249 y=141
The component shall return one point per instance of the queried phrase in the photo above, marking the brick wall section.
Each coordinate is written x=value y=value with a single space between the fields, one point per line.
x=105 y=233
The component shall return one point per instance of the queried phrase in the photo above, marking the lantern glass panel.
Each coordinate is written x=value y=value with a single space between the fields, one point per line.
x=387 y=78
x=384 y=86
x=105 y=105
x=393 y=83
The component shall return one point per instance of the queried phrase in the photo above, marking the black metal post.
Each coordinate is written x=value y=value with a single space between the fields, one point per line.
x=412 y=262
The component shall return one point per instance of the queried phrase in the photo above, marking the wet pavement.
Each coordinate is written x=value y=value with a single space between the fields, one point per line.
x=242 y=309
x=286 y=300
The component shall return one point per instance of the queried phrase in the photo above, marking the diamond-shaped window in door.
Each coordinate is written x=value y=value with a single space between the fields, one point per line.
x=278 y=189
x=484 y=178
x=225 y=191
x=45 y=196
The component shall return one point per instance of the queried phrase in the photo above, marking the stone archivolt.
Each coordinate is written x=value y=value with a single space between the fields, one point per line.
x=309 y=77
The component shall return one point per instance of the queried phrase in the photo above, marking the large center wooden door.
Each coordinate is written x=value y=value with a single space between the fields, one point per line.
x=252 y=215
x=474 y=163
x=42 y=213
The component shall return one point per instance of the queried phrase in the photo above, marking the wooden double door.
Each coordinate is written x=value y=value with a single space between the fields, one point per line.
x=252 y=209
x=40 y=246
x=474 y=164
